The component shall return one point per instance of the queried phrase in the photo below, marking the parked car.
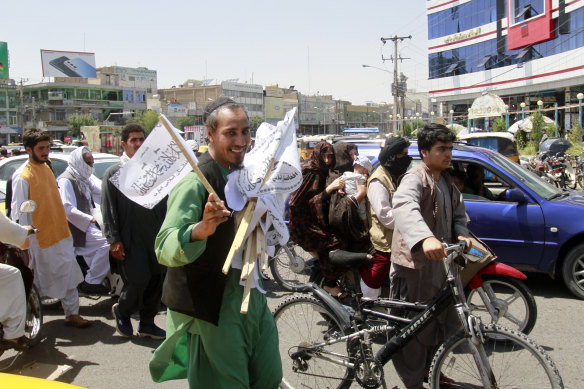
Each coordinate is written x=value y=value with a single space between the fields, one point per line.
x=529 y=224
x=59 y=163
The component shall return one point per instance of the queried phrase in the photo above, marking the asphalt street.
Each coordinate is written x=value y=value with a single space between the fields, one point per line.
x=98 y=358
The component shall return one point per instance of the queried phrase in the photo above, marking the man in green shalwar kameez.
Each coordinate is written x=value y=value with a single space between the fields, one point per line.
x=208 y=340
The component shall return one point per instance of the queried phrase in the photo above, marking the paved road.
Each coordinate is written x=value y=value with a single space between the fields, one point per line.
x=101 y=359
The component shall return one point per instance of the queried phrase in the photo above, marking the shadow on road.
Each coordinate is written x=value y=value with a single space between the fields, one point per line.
x=544 y=286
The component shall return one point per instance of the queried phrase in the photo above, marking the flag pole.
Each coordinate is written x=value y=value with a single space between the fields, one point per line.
x=188 y=157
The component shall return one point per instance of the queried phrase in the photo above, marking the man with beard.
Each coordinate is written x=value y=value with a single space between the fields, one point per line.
x=428 y=210
x=131 y=229
x=79 y=195
x=57 y=273
x=394 y=161
x=209 y=341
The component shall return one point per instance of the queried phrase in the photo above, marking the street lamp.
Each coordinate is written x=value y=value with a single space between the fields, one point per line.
x=417 y=118
x=451 y=118
x=398 y=120
x=522 y=105
x=580 y=97
x=468 y=120
x=432 y=115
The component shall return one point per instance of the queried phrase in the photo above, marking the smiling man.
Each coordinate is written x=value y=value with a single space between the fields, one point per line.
x=209 y=341
x=53 y=260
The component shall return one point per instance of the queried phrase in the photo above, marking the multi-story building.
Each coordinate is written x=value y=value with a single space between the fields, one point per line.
x=196 y=96
x=9 y=126
x=318 y=115
x=521 y=50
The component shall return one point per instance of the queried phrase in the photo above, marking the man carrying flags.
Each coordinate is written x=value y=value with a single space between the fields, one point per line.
x=209 y=341
x=131 y=229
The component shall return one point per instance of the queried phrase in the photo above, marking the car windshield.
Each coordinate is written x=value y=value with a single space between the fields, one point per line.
x=530 y=179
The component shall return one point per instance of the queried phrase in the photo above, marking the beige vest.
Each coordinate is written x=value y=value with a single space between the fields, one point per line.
x=380 y=235
x=428 y=208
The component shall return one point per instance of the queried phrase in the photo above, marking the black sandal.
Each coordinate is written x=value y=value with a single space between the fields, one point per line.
x=19 y=344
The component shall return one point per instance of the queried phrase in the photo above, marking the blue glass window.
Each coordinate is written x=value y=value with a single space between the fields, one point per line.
x=462 y=17
x=471 y=58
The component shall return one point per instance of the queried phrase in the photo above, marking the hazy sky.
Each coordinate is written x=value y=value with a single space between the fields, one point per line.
x=318 y=46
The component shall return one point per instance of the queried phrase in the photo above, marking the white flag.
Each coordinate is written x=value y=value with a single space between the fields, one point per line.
x=271 y=142
x=156 y=168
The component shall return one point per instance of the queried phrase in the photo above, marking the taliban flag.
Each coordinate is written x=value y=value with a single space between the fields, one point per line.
x=158 y=165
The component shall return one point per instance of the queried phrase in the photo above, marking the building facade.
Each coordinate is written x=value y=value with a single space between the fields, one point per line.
x=521 y=50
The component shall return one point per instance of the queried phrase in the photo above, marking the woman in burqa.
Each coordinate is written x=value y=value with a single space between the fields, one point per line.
x=394 y=161
x=308 y=212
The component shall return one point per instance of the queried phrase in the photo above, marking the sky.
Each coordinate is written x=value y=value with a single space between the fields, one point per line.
x=318 y=46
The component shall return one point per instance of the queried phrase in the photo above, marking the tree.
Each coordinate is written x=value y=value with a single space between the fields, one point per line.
x=183 y=122
x=254 y=123
x=77 y=121
x=499 y=125
x=146 y=118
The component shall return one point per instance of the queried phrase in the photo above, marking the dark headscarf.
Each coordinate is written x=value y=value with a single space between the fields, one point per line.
x=387 y=157
x=316 y=163
x=344 y=161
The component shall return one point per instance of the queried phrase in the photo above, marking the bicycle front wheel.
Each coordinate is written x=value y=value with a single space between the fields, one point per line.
x=302 y=322
x=291 y=266
x=516 y=361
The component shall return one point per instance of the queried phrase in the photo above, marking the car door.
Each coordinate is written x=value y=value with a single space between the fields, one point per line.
x=514 y=231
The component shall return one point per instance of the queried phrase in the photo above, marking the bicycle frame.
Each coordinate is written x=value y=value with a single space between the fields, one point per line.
x=451 y=295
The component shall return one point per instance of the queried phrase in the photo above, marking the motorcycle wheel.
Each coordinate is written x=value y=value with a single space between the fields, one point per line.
x=511 y=299
x=34 y=317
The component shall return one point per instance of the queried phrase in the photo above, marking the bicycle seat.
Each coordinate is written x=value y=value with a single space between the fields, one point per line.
x=347 y=259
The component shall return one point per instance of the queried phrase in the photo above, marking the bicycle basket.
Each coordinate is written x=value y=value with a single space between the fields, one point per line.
x=479 y=256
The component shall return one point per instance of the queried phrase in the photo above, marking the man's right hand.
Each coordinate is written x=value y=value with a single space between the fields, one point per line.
x=214 y=214
x=433 y=249
x=117 y=250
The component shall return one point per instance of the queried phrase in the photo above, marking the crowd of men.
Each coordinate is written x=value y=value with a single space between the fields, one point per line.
x=174 y=252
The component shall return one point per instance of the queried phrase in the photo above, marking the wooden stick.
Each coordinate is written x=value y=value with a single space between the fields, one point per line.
x=188 y=157
x=239 y=235
x=250 y=256
x=246 y=293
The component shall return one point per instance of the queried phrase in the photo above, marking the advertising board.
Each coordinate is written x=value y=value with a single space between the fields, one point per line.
x=3 y=60
x=68 y=64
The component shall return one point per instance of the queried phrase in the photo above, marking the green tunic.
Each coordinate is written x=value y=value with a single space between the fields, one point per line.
x=242 y=351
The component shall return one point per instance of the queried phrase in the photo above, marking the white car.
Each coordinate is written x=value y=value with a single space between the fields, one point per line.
x=59 y=161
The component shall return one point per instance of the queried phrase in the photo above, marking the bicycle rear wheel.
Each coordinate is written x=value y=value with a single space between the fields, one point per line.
x=303 y=321
x=516 y=361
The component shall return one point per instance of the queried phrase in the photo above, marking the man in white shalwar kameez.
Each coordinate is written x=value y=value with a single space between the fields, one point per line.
x=52 y=256
x=79 y=195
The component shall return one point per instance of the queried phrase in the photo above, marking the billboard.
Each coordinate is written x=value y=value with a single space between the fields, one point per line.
x=3 y=60
x=68 y=64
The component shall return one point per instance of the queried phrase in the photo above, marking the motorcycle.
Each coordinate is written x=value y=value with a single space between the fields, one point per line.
x=14 y=256
x=495 y=291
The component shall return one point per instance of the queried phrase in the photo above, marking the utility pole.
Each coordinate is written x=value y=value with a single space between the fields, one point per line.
x=395 y=90
x=20 y=113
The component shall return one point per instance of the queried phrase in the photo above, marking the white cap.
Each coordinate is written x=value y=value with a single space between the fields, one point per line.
x=193 y=145
x=362 y=160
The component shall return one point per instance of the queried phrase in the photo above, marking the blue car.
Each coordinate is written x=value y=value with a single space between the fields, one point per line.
x=528 y=223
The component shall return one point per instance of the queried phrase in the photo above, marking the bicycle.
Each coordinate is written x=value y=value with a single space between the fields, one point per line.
x=329 y=345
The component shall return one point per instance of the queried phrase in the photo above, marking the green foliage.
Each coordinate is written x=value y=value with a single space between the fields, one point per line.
x=529 y=149
x=77 y=121
x=537 y=126
x=575 y=135
x=148 y=119
x=183 y=122
x=521 y=137
x=407 y=130
x=499 y=125
x=255 y=121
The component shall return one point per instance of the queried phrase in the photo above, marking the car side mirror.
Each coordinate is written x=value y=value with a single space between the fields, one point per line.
x=29 y=206
x=515 y=195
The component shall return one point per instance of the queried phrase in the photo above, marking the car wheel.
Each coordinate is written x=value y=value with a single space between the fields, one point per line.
x=573 y=271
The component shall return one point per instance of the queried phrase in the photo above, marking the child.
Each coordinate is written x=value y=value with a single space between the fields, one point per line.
x=361 y=170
